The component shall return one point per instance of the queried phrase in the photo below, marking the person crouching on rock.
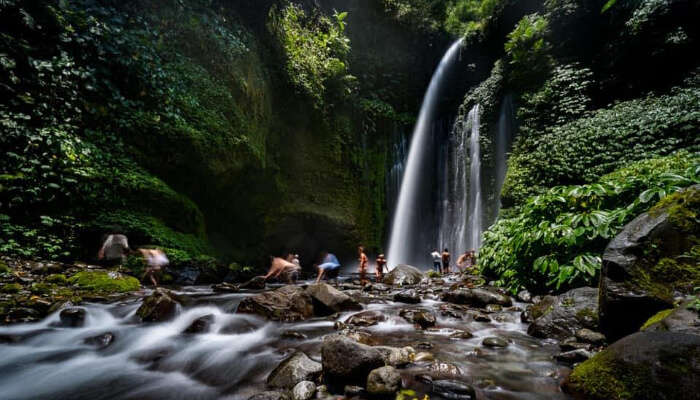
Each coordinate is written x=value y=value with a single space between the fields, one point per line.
x=363 y=265
x=114 y=250
x=282 y=269
x=329 y=267
x=381 y=264
x=155 y=261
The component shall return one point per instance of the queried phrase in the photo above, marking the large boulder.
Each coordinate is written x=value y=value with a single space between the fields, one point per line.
x=383 y=381
x=296 y=368
x=159 y=306
x=346 y=362
x=569 y=313
x=288 y=303
x=649 y=263
x=682 y=319
x=403 y=274
x=328 y=300
x=643 y=366
x=478 y=297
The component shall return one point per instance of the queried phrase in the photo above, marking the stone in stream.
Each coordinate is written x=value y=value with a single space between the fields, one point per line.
x=328 y=300
x=288 y=304
x=395 y=356
x=225 y=287
x=422 y=318
x=200 y=325
x=346 y=362
x=354 y=391
x=479 y=317
x=461 y=335
x=444 y=369
x=574 y=356
x=100 y=341
x=572 y=344
x=304 y=390
x=403 y=275
x=589 y=336
x=567 y=314
x=257 y=283
x=294 y=369
x=72 y=317
x=453 y=390
x=159 y=306
x=409 y=296
x=293 y=335
x=269 y=395
x=524 y=296
x=366 y=318
x=424 y=356
x=492 y=308
x=477 y=297
x=644 y=365
x=383 y=381
x=494 y=341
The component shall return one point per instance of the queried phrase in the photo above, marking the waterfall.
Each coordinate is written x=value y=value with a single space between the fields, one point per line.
x=398 y=162
x=406 y=214
x=506 y=127
x=475 y=224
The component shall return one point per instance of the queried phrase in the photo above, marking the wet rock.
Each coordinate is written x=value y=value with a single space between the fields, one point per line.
x=366 y=318
x=322 y=392
x=570 y=312
x=269 y=395
x=424 y=345
x=383 y=381
x=477 y=297
x=159 y=306
x=524 y=296
x=422 y=318
x=184 y=275
x=645 y=365
x=424 y=356
x=572 y=344
x=407 y=296
x=492 y=308
x=348 y=362
x=359 y=336
x=461 y=335
x=304 y=390
x=589 y=336
x=403 y=275
x=288 y=303
x=201 y=324
x=479 y=317
x=452 y=310
x=328 y=300
x=682 y=319
x=453 y=390
x=574 y=356
x=354 y=391
x=225 y=287
x=541 y=307
x=72 y=317
x=293 y=335
x=100 y=341
x=378 y=287
x=641 y=270
x=257 y=283
x=296 y=368
x=494 y=341
x=444 y=369
x=395 y=356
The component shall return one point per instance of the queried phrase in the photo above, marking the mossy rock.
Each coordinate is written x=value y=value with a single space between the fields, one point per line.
x=682 y=319
x=4 y=268
x=11 y=288
x=656 y=319
x=642 y=366
x=105 y=282
x=42 y=288
x=58 y=279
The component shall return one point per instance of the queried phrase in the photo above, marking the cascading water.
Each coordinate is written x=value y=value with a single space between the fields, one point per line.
x=506 y=127
x=406 y=214
x=475 y=224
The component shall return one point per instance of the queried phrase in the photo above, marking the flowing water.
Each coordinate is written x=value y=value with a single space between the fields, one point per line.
x=232 y=360
x=474 y=224
x=504 y=139
x=407 y=212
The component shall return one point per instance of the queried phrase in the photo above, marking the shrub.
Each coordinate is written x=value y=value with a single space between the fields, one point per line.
x=527 y=50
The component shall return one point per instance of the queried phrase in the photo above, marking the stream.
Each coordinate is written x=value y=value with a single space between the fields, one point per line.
x=231 y=360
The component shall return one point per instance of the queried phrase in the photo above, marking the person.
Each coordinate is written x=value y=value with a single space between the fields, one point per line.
x=282 y=269
x=437 y=260
x=114 y=250
x=363 y=265
x=295 y=260
x=445 y=261
x=464 y=261
x=381 y=264
x=328 y=267
x=155 y=261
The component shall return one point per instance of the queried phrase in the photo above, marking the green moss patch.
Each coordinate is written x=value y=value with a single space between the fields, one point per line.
x=4 y=268
x=601 y=377
x=59 y=279
x=11 y=288
x=658 y=317
x=105 y=282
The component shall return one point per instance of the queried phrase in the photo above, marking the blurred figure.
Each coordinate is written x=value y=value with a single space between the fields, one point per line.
x=445 y=261
x=114 y=250
x=381 y=264
x=328 y=268
x=155 y=261
x=464 y=261
x=437 y=260
x=363 y=265
x=283 y=270
x=295 y=260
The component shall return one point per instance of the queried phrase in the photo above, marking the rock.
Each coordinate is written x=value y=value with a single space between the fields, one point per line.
x=403 y=275
x=425 y=345
x=642 y=270
x=257 y=283
x=366 y=318
x=159 y=306
x=424 y=356
x=348 y=362
x=354 y=391
x=379 y=287
x=479 y=317
x=681 y=319
x=184 y=275
x=524 y=296
x=452 y=310
x=461 y=335
x=589 y=336
x=201 y=324
x=225 y=288
x=494 y=341
x=304 y=390
x=72 y=317
x=444 y=369
x=572 y=344
x=269 y=395
x=645 y=365
x=328 y=300
x=294 y=369
x=293 y=335
x=359 y=336
x=422 y=318
x=407 y=296
x=570 y=312
x=541 y=307
x=451 y=389
x=396 y=357
x=322 y=392
x=574 y=356
x=477 y=297
x=383 y=381
x=100 y=341
x=288 y=303
x=492 y=308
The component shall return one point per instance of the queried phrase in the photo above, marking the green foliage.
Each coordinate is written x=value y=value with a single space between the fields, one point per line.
x=555 y=239
x=104 y=282
x=316 y=51
x=527 y=49
x=11 y=288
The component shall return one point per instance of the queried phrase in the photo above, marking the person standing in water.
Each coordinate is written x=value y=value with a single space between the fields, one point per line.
x=437 y=260
x=381 y=264
x=363 y=265
x=445 y=261
x=328 y=267
x=155 y=261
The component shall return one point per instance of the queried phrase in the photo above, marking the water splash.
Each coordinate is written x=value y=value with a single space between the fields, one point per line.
x=406 y=214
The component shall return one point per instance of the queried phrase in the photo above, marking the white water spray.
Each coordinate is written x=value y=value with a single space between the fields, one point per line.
x=405 y=213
